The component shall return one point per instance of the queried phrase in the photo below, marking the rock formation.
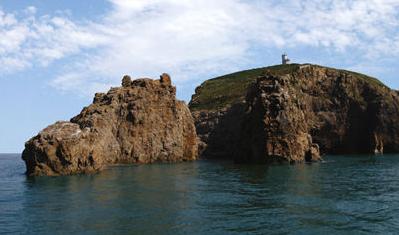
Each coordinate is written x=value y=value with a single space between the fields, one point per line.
x=293 y=112
x=287 y=113
x=140 y=122
x=274 y=127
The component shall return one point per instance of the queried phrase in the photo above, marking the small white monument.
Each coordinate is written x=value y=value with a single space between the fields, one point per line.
x=284 y=59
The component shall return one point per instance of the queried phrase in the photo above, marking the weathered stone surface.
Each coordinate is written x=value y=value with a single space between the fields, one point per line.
x=298 y=112
x=347 y=113
x=126 y=81
x=140 y=122
x=165 y=79
x=274 y=128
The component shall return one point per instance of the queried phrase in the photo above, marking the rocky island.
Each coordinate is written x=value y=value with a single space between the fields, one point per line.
x=140 y=122
x=286 y=113
x=294 y=113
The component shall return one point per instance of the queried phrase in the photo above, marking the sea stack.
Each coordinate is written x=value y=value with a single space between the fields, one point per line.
x=140 y=122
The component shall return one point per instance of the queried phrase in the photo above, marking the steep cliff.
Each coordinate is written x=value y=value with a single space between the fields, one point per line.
x=291 y=112
x=140 y=122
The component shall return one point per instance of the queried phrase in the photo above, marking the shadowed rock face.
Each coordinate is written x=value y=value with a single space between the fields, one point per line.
x=296 y=115
x=140 y=122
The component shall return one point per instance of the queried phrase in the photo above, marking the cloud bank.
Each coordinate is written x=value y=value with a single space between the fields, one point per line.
x=189 y=39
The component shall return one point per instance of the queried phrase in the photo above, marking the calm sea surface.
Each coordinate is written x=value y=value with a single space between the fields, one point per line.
x=343 y=195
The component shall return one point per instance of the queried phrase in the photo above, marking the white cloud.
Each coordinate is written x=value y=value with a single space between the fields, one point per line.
x=27 y=40
x=191 y=38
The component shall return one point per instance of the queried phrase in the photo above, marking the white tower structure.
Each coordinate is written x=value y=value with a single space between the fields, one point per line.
x=284 y=59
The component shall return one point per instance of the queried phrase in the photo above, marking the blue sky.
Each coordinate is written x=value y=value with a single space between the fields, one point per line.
x=54 y=55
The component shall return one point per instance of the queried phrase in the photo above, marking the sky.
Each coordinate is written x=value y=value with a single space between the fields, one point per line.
x=54 y=55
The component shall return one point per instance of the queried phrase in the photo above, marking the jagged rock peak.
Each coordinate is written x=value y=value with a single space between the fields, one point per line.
x=165 y=79
x=140 y=122
x=126 y=81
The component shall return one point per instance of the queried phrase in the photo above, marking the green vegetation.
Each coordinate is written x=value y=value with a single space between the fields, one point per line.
x=369 y=79
x=230 y=89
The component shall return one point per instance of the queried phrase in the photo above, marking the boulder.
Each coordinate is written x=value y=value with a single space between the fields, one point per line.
x=165 y=79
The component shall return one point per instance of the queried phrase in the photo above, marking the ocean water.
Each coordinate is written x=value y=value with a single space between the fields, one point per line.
x=343 y=195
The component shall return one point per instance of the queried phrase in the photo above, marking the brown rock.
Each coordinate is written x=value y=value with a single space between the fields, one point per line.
x=126 y=81
x=274 y=128
x=165 y=79
x=139 y=123
x=294 y=112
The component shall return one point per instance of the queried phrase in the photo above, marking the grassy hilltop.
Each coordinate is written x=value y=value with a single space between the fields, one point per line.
x=229 y=89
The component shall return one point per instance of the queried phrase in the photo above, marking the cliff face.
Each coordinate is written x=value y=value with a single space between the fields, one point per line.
x=348 y=112
x=293 y=112
x=274 y=127
x=140 y=122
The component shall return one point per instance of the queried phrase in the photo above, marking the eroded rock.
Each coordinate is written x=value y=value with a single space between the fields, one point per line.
x=294 y=112
x=140 y=122
x=274 y=128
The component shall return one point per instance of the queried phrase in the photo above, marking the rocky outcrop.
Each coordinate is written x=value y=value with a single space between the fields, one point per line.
x=274 y=128
x=294 y=112
x=140 y=122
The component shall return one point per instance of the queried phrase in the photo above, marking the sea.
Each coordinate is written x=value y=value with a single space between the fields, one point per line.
x=345 y=194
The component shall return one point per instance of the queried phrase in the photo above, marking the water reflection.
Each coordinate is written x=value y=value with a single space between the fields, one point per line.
x=347 y=194
x=153 y=197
